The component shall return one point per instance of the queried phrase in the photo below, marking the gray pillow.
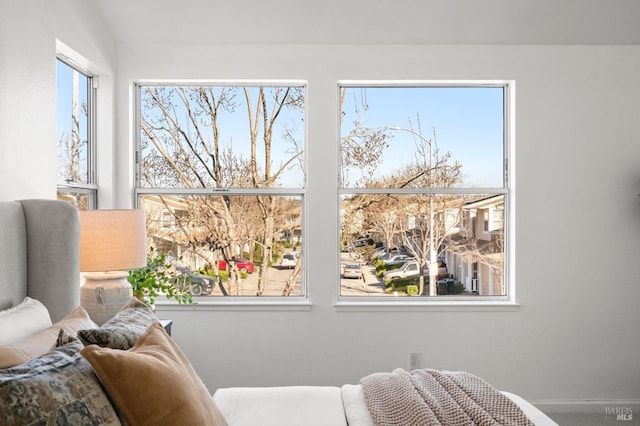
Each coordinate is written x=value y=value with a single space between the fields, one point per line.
x=55 y=389
x=123 y=330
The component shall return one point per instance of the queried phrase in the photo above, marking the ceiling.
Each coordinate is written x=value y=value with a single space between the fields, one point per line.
x=373 y=21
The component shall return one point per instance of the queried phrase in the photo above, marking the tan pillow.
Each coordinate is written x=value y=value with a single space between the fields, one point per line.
x=153 y=383
x=42 y=342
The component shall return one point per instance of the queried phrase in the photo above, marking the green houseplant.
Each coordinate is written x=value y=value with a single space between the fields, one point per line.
x=158 y=278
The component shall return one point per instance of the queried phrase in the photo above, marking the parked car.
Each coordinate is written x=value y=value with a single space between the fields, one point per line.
x=384 y=256
x=363 y=242
x=201 y=284
x=289 y=260
x=396 y=259
x=443 y=272
x=243 y=265
x=382 y=251
x=197 y=283
x=378 y=251
x=409 y=269
x=352 y=270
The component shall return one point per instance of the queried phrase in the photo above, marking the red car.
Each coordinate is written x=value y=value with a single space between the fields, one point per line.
x=243 y=265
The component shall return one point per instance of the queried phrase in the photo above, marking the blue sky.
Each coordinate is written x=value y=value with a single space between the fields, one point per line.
x=468 y=122
x=64 y=99
x=64 y=109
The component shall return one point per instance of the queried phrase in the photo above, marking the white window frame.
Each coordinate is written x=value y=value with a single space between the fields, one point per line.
x=90 y=189
x=485 y=303
x=249 y=303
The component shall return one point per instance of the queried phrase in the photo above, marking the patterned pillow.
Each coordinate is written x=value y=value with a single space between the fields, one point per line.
x=123 y=330
x=59 y=388
x=64 y=338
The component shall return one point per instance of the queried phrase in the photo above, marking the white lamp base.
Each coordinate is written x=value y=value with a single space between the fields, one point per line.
x=103 y=294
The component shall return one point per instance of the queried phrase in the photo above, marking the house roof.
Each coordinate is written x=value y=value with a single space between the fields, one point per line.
x=484 y=202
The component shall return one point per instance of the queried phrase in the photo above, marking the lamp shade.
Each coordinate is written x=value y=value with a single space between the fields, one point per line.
x=112 y=240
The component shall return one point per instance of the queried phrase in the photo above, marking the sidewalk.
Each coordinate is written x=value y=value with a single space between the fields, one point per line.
x=370 y=286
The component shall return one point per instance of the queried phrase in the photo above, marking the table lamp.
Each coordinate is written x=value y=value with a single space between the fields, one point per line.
x=111 y=243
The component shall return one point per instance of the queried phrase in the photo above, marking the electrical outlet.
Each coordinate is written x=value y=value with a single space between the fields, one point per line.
x=414 y=360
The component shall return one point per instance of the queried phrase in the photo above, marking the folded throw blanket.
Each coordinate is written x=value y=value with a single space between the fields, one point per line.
x=433 y=397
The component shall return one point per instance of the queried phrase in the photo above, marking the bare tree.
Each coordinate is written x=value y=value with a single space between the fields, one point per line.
x=361 y=147
x=426 y=230
x=418 y=218
x=182 y=126
x=293 y=277
x=265 y=116
x=71 y=154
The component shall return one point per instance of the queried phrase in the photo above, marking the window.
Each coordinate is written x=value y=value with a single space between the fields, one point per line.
x=423 y=167
x=75 y=136
x=485 y=222
x=220 y=174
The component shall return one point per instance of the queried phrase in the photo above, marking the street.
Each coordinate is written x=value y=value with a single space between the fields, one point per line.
x=277 y=280
x=369 y=285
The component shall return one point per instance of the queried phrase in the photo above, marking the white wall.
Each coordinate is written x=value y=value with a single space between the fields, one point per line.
x=575 y=335
x=28 y=34
x=27 y=102
x=78 y=26
x=577 y=231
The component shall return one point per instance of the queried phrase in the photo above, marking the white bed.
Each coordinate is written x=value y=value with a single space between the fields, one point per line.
x=315 y=406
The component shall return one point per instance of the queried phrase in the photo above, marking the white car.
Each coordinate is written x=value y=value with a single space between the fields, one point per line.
x=289 y=260
x=409 y=269
x=352 y=270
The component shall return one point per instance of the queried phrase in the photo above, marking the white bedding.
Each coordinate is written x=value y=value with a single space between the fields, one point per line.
x=282 y=406
x=315 y=405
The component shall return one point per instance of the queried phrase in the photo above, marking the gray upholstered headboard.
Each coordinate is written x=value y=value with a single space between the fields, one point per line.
x=39 y=254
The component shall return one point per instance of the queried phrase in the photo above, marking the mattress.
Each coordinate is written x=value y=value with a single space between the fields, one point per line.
x=315 y=406
x=281 y=406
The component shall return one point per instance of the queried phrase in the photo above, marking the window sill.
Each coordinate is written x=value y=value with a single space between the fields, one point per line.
x=429 y=306
x=363 y=305
x=240 y=304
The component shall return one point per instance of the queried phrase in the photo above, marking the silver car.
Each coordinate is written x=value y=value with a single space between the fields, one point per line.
x=397 y=258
